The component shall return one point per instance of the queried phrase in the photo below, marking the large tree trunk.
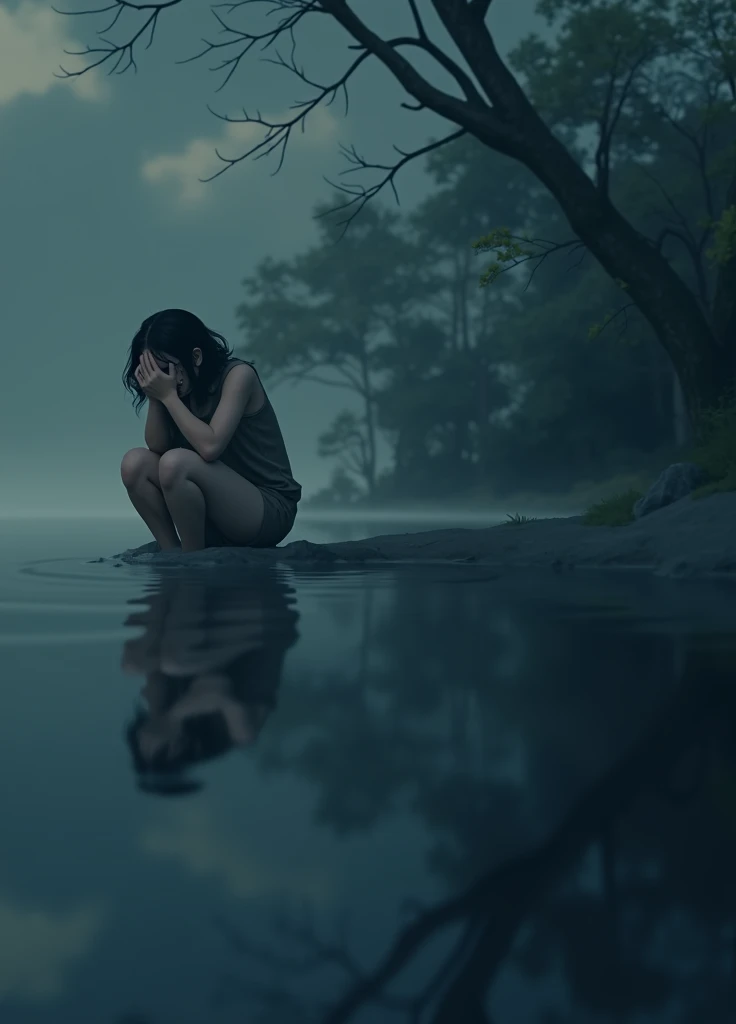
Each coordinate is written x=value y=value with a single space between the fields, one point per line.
x=681 y=432
x=496 y=110
x=704 y=365
x=724 y=302
x=505 y=120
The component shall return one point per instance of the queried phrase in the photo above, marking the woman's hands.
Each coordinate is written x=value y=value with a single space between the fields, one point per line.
x=152 y=379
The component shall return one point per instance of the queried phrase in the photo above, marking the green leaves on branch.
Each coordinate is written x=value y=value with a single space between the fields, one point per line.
x=512 y=250
x=509 y=250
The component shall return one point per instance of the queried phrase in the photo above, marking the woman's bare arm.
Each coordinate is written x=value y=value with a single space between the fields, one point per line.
x=209 y=440
x=157 y=434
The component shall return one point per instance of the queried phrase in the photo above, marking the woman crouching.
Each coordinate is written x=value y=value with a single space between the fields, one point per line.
x=214 y=471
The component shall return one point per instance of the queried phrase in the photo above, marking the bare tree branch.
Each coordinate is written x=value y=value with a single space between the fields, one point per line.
x=238 y=43
x=461 y=77
x=418 y=23
x=622 y=311
x=693 y=247
x=700 y=147
x=471 y=115
x=506 y=892
x=611 y=117
x=247 y=40
x=278 y=133
x=113 y=52
x=360 y=195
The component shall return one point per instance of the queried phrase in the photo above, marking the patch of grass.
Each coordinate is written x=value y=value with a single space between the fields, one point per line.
x=517 y=520
x=726 y=483
x=714 y=448
x=617 y=510
x=587 y=493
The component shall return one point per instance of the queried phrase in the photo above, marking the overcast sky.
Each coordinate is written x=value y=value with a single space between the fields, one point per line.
x=103 y=221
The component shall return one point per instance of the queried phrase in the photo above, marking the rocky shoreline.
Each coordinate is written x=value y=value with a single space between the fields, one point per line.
x=689 y=538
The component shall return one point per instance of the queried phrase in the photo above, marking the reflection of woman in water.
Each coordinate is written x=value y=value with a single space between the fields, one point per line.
x=212 y=657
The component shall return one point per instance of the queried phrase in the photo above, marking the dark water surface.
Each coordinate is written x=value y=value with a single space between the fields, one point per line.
x=428 y=795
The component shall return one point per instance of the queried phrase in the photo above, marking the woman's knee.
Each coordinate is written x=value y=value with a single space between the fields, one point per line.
x=137 y=465
x=175 y=465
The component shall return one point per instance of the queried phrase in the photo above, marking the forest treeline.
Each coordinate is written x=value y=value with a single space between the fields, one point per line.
x=473 y=333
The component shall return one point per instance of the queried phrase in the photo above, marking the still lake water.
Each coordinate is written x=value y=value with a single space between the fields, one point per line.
x=412 y=794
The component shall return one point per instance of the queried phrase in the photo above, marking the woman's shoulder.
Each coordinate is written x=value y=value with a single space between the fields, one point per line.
x=245 y=369
x=248 y=369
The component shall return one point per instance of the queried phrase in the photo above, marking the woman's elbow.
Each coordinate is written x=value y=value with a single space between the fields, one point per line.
x=211 y=452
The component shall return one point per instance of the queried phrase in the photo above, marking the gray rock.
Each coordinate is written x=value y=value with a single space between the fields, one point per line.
x=305 y=551
x=673 y=483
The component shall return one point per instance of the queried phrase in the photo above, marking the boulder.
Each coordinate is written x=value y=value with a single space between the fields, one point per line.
x=673 y=483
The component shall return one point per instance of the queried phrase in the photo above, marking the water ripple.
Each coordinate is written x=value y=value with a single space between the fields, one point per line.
x=316 y=578
x=66 y=638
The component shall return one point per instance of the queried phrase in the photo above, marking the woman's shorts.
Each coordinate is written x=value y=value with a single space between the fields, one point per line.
x=278 y=520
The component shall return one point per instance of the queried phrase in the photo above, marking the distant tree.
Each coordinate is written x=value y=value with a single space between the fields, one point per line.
x=466 y=390
x=331 y=315
x=327 y=316
x=347 y=440
x=342 y=490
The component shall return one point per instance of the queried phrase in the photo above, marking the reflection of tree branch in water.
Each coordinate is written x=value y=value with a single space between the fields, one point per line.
x=510 y=891
x=494 y=907
x=319 y=953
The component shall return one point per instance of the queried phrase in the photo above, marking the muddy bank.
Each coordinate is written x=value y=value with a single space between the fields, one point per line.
x=690 y=538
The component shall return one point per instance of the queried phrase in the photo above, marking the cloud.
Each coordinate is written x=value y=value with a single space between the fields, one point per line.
x=33 y=38
x=190 y=839
x=182 y=171
x=37 y=949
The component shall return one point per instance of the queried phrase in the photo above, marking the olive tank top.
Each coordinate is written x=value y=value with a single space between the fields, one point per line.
x=256 y=450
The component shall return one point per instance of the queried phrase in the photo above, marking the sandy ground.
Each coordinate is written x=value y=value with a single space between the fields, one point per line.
x=688 y=539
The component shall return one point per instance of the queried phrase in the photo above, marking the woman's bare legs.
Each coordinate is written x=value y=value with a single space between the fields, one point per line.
x=139 y=471
x=194 y=490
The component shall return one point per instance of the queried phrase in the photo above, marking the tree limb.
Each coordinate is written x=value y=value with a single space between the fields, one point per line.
x=112 y=51
x=519 y=257
x=612 y=317
x=684 y=234
x=418 y=23
x=506 y=893
x=285 y=27
x=278 y=133
x=360 y=195
x=472 y=108
x=611 y=116
x=473 y=116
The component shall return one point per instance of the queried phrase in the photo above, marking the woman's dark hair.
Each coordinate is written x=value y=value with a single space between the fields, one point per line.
x=203 y=738
x=176 y=332
x=255 y=678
